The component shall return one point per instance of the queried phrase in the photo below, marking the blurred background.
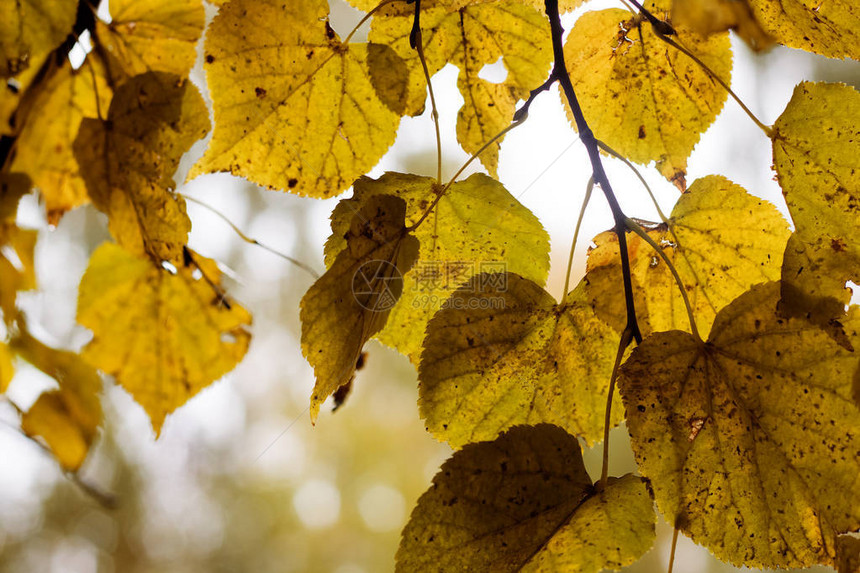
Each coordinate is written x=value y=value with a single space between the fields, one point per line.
x=239 y=479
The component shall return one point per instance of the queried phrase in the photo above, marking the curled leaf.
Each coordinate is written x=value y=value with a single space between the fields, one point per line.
x=352 y=300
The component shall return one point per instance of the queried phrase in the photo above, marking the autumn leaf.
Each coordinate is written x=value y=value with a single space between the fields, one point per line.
x=67 y=419
x=470 y=38
x=163 y=336
x=816 y=154
x=132 y=156
x=830 y=28
x=297 y=112
x=7 y=367
x=13 y=186
x=524 y=502
x=30 y=30
x=721 y=240
x=53 y=116
x=352 y=300
x=152 y=35
x=501 y=352
x=708 y=17
x=476 y=227
x=749 y=439
x=661 y=100
x=17 y=269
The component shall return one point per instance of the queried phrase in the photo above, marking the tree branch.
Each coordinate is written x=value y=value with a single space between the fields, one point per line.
x=560 y=73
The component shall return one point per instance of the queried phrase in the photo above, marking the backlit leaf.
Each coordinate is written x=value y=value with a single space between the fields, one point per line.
x=163 y=336
x=132 y=156
x=750 y=439
x=294 y=106
x=476 y=227
x=641 y=96
x=352 y=300
x=830 y=27
x=502 y=353
x=152 y=35
x=721 y=241
x=44 y=147
x=7 y=368
x=816 y=154
x=30 y=29
x=17 y=271
x=707 y=17
x=66 y=419
x=470 y=38
x=525 y=503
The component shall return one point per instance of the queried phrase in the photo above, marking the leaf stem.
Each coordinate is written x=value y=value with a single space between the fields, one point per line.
x=766 y=129
x=636 y=228
x=460 y=171
x=365 y=19
x=623 y=343
x=672 y=551
x=250 y=240
x=434 y=112
x=588 y=189
x=626 y=162
x=587 y=136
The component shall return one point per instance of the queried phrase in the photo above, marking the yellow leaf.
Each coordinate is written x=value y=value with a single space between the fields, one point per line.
x=830 y=27
x=476 y=227
x=13 y=186
x=152 y=35
x=641 y=96
x=501 y=352
x=707 y=17
x=402 y=9
x=163 y=336
x=721 y=241
x=66 y=419
x=816 y=154
x=7 y=368
x=470 y=38
x=17 y=269
x=30 y=29
x=298 y=112
x=352 y=300
x=53 y=115
x=132 y=156
x=750 y=439
x=524 y=502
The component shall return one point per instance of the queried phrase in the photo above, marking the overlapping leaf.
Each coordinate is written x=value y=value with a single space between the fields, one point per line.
x=30 y=29
x=66 y=419
x=830 y=28
x=525 y=503
x=163 y=336
x=152 y=35
x=132 y=156
x=294 y=106
x=661 y=100
x=352 y=300
x=44 y=146
x=816 y=154
x=402 y=9
x=750 y=439
x=721 y=241
x=476 y=227
x=707 y=17
x=471 y=37
x=502 y=353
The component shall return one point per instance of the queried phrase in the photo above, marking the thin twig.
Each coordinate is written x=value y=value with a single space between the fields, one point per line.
x=590 y=142
x=672 y=551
